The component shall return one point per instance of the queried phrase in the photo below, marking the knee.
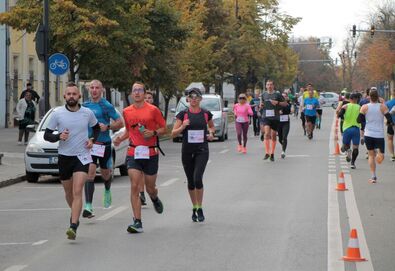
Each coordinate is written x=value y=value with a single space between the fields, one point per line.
x=199 y=184
x=191 y=185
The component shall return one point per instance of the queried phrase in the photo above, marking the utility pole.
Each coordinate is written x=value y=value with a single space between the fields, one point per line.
x=7 y=70
x=46 y=53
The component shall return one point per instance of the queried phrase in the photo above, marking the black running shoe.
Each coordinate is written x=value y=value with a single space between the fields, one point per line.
x=267 y=156
x=194 y=215
x=142 y=199
x=352 y=166
x=158 y=205
x=136 y=227
x=200 y=215
x=88 y=213
x=272 y=157
x=261 y=137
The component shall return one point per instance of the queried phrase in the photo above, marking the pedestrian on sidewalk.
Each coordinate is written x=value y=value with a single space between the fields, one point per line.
x=192 y=123
x=143 y=123
x=242 y=111
x=72 y=122
x=25 y=109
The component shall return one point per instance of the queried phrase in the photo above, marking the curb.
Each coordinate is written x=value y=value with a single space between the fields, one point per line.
x=12 y=181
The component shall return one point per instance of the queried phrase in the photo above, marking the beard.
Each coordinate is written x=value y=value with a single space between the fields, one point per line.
x=71 y=102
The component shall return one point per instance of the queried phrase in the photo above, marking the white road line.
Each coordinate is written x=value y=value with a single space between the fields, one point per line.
x=331 y=162
x=39 y=243
x=15 y=244
x=331 y=166
x=355 y=223
x=37 y=209
x=335 y=242
x=224 y=151
x=298 y=155
x=344 y=167
x=112 y=213
x=16 y=268
x=169 y=182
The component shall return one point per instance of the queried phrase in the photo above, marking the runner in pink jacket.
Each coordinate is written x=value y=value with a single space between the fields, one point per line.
x=242 y=110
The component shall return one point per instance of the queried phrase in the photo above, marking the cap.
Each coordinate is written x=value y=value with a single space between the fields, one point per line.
x=194 y=90
x=354 y=96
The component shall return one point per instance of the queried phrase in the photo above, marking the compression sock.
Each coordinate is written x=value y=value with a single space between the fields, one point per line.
x=89 y=190
x=267 y=146
x=355 y=153
x=107 y=183
x=274 y=142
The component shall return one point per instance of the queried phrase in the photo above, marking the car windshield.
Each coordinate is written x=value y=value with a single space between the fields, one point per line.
x=210 y=104
x=44 y=123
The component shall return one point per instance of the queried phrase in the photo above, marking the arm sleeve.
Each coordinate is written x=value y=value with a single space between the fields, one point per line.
x=341 y=113
x=180 y=115
x=389 y=118
x=210 y=115
x=50 y=136
x=96 y=131
x=362 y=120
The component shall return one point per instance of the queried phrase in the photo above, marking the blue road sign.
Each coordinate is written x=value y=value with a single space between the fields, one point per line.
x=58 y=64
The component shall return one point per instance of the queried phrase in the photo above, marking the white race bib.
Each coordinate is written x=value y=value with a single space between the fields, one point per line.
x=240 y=119
x=85 y=158
x=284 y=118
x=98 y=150
x=269 y=113
x=195 y=136
x=309 y=107
x=141 y=152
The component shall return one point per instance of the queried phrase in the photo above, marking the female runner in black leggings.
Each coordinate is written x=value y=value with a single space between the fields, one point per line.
x=283 y=128
x=192 y=123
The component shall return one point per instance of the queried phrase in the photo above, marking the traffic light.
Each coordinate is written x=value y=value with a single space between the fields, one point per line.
x=372 y=29
x=354 y=31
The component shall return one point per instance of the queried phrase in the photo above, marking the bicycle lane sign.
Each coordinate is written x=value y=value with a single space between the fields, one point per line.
x=58 y=64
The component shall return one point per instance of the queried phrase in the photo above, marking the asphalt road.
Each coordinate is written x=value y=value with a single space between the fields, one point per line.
x=260 y=215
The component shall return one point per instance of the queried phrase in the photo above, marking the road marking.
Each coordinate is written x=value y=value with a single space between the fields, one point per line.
x=40 y=209
x=298 y=155
x=331 y=166
x=355 y=223
x=169 y=182
x=332 y=163
x=344 y=167
x=39 y=243
x=224 y=151
x=16 y=268
x=14 y=155
x=335 y=242
x=112 y=213
x=24 y=243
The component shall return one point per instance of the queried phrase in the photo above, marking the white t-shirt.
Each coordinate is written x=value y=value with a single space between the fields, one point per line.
x=77 y=123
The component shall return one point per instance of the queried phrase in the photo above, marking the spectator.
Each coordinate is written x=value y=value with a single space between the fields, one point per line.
x=35 y=96
x=26 y=109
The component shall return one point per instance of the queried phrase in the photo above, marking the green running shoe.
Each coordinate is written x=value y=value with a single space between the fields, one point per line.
x=107 y=199
x=71 y=233
x=88 y=211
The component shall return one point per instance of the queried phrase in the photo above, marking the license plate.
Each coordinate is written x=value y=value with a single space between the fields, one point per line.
x=53 y=160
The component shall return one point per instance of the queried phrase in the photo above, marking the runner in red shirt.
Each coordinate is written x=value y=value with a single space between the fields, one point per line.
x=143 y=122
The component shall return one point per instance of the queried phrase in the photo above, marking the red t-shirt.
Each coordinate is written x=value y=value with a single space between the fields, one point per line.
x=148 y=116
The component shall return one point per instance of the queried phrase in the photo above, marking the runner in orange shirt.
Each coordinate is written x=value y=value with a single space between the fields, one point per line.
x=143 y=123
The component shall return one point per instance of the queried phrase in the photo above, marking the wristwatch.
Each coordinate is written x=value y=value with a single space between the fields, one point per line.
x=155 y=133
x=109 y=127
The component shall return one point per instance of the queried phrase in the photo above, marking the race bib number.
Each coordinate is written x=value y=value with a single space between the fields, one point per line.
x=284 y=118
x=269 y=113
x=309 y=107
x=195 y=136
x=85 y=158
x=98 y=150
x=240 y=119
x=141 y=152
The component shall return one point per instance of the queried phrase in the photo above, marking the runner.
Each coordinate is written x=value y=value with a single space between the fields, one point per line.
x=284 y=125
x=272 y=101
x=101 y=151
x=372 y=119
x=72 y=122
x=192 y=123
x=143 y=122
x=319 y=117
x=302 y=116
x=242 y=111
x=349 y=114
x=390 y=130
x=255 y=109
x=310 y=111
x=345 y=101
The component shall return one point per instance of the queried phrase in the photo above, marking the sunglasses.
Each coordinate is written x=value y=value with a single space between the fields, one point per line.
x=138 y=90
x=242 y=98
x=193 y=96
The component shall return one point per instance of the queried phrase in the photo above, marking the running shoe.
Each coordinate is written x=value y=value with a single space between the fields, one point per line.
x=107 y=199
x=71 y=233
x=373 y=180
x=267 y=156
x=348 y=157
x=200 y=215
x=272 y=157
x=343 y=149
x=88 y=211
x=136 y=227
x=142 y=199
x=261 y=137
x=194 y=215
x=310 y=136
x=393 y=158
x=239 y=148
x=158 y=205
x=244 y=150
x=352 y=166
x=282 y=155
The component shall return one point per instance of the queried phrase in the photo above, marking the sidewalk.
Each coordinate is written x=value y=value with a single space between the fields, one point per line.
x=12 y=169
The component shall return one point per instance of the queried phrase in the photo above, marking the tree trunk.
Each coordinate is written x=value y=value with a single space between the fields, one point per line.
x=167 y=101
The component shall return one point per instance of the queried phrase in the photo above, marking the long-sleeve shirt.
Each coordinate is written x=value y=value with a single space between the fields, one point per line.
x=242 y=112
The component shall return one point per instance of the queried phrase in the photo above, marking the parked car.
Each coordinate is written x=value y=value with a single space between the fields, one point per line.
x=214 y=104
x=329 y=99
x=41 y=157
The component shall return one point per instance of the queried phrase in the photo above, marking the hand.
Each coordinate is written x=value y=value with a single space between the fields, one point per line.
x=148 y=133
x=210 y=136
x=103 y=127
x=89 y=143
x=117 y=141
x=185 y=123
x=274 y=102
x=64 y=135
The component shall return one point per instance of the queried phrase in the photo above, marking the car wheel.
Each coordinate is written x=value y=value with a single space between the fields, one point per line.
x=32 y=177
x=222 y=137
x=123 y=170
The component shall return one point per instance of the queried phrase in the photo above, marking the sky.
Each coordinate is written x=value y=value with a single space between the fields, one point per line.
x=329 y=18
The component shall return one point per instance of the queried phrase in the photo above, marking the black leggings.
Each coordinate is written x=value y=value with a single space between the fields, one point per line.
x=283 y=130
x=194 y=165
x=255 y=123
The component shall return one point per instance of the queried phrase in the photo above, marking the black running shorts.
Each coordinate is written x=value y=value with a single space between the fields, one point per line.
x=272 y=122
x=148 y=166
x=68 y=165
x=373 y=143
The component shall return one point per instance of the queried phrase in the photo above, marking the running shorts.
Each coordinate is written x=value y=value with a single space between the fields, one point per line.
x=319 y=111
x=148 y=166
x=273 y=123
x=68 y=165
x=311 y=119
x=373 y=143
x=351 y=134
x=105 y=162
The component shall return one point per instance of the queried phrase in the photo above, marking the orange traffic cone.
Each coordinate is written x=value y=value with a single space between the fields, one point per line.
x=341 y=185
x=337 y=149
x=353 y=253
